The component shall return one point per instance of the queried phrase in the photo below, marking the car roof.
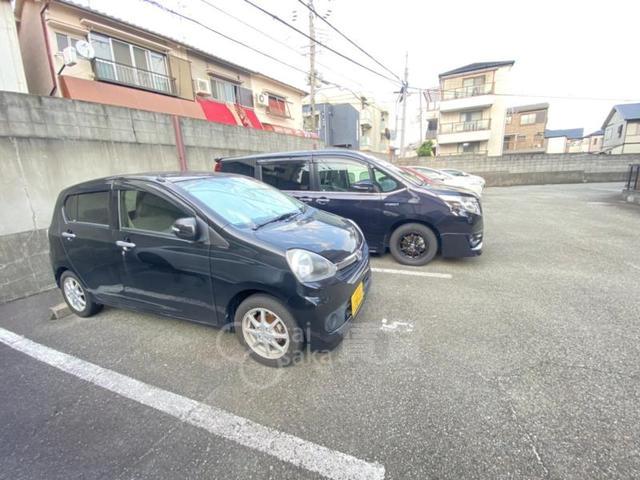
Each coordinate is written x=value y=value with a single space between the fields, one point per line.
x=154 y=177
x=297 y=154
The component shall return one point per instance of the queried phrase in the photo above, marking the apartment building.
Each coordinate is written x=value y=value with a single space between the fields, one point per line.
x=472 y=113
x=138 y=68
x=524 y=128
x=12 y=76
x=622 y=129
x=336 y=125
x=373 y=133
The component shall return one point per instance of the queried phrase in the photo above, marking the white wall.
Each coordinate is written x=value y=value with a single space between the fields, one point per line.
x=12 y=76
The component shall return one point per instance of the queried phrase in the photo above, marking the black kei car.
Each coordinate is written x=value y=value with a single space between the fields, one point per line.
x=394 y=209
x=218 y=249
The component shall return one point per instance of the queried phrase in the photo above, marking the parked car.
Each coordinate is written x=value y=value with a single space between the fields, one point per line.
x=395 y=211
x=215 y=249
x=459 y=173
x=449 y=180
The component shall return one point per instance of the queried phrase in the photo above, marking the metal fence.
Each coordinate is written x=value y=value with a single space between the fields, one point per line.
x=110 y=71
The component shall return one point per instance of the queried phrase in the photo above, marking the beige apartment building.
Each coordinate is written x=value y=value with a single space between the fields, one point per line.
x=138 y=68
x=524 y=129
x=12 y=76
x=472 y=112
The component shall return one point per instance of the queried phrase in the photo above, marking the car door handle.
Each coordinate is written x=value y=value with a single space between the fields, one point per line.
x=126 y=246
x=69 y=235
x=322 y=200
x=305 y=199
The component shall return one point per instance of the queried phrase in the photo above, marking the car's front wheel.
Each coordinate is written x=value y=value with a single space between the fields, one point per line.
x=75 y=295
x=413 y=244
x=269 y=331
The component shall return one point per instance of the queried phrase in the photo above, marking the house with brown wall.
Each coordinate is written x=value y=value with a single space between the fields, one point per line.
x=524 y=128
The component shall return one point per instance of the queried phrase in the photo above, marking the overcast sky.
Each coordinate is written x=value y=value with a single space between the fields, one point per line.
x=562 y=48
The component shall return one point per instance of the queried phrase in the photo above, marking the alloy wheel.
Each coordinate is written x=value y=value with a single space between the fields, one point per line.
x=413 y=245
x=74 y=293
x=265 y=333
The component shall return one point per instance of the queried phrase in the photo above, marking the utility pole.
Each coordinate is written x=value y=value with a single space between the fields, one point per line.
x=405 y=84
x=312 y=67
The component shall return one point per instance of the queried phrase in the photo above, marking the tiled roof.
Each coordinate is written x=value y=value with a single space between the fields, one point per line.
x=477 y=66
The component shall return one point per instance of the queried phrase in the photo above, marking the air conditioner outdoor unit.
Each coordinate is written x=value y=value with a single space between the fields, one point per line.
x=203 y=87
x=262 y=99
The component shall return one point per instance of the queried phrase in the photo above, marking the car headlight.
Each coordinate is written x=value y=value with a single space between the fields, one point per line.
x=308 y=266
x=462 y=205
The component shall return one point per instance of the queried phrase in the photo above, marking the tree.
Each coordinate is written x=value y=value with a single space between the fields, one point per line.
x=426 y=149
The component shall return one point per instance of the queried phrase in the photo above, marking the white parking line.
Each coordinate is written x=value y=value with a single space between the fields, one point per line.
x=288 y=448
x=412 y=273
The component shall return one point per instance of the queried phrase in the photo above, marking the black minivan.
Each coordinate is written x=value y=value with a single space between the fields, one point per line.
x=394 y=209
x=212 y=248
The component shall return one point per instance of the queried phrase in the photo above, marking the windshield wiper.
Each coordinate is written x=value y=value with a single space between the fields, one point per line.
x=279 y=218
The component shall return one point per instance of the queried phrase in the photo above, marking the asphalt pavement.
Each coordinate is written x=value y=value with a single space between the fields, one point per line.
x=520 y=364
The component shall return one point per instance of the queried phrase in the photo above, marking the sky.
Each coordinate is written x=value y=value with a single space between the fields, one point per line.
x=586 y=53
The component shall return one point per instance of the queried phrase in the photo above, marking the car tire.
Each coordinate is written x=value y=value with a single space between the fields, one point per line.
x=413 y=244
x=259 y=340
x=77 y=298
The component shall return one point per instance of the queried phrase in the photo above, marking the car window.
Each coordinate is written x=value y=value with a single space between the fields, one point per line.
x=90 y=207
x=286 y=175
x=241 y=201
x=340 y=174
x=145 y=211
x=238 y=167
x=385 y=181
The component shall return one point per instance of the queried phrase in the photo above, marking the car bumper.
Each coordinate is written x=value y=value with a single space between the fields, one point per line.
x=463 y=244
x=325 y=313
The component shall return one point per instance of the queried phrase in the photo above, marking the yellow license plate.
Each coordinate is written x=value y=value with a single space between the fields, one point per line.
x=356 y=299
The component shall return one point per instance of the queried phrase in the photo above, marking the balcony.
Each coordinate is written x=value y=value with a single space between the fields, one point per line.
x=469 y=131
x=462 y=98
x=114 y=72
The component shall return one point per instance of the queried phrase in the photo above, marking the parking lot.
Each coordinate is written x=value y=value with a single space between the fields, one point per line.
x=521 y=363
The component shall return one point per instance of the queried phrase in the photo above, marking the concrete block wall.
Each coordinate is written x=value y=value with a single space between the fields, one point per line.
x=47 y=144
x=535 y=169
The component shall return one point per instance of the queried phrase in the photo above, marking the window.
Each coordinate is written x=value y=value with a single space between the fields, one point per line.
x=471 y=116
x=224 y=91
x=292 y=175
x=278 y=106
x=145 y=211
x=88 y=208
x=528 y=119
x=620 y=130
x=239 y=167
x=384 y=181
x=122 y=62
x=469 y=147
x=63 y=41
x=508 y=120
x=340 y=174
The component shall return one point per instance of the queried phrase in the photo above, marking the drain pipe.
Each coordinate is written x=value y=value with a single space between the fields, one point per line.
x=47 y=45
x=182 y=153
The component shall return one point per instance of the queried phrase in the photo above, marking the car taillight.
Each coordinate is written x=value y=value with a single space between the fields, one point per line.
x=217 y=167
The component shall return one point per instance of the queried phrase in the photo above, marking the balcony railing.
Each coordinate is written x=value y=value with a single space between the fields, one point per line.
x=633 y=180
x=431 y=134
x=470 y=91
x=114 y=72
x=461 y=153
x=468 y=126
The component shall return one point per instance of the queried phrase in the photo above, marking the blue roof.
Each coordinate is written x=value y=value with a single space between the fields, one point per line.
x=597 y=132
x=629 y=111
x=573 y=133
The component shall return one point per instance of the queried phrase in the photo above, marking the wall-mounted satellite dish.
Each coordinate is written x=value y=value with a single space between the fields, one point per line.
x=85 y=49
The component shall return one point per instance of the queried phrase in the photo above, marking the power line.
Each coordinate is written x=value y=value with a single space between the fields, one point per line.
x=197 y=22
x=277 y=18
x=348 y=39
x=274 y=39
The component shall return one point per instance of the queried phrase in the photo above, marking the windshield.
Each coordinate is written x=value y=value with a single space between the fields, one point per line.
x=242 y=201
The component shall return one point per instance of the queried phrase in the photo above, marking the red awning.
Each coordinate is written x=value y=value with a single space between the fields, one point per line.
x=255 y=123
x=217 y=112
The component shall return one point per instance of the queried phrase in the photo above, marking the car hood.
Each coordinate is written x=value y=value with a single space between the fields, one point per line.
x=331 y=236
x=443 y=189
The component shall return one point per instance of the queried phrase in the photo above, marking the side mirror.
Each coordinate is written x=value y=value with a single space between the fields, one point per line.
x=363 y=186
x=185 y=228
